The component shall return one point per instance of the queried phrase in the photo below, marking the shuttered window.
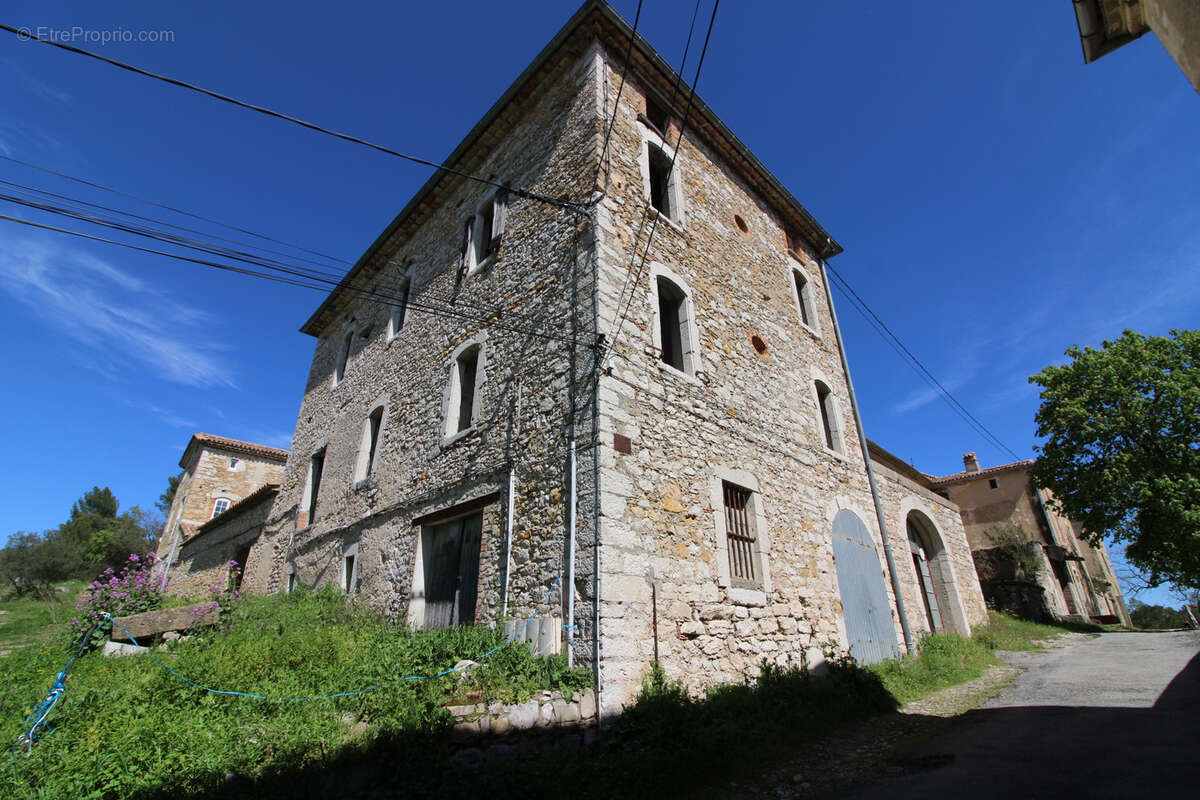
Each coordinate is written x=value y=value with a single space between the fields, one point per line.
x=740 y=535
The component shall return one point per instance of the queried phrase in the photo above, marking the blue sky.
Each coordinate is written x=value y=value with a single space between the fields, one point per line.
x=998 y=201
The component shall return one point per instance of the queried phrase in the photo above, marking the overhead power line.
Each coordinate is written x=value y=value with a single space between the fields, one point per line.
x=173 y=209
x=909 y=357
x=620 y=87
x=526 y=193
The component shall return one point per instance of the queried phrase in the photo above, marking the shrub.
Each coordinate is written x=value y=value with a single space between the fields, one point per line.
x=132 y=591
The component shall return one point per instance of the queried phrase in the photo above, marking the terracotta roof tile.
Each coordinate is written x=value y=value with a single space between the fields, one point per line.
x=234 y=445
x=958 y=477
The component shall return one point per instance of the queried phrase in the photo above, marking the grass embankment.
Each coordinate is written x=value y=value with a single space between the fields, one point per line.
x=944 y=660
x=126 y=728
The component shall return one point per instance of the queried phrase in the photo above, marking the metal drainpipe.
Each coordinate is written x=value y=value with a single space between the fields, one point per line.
x=862 y=440
x=512 y=493
x=570 y=581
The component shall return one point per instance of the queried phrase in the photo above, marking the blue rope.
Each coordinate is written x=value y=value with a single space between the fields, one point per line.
x=42 y=711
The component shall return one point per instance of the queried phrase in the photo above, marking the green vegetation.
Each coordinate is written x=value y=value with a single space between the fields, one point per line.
x=27 y=620
x=94 y=537
x=1021 y=555
x=1151 y=617
x=125 y=725
x=1122 y=451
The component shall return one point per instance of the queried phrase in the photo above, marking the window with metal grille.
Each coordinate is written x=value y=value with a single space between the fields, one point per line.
x=740 y=535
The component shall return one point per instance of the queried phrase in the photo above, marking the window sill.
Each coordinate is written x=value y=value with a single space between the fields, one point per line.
x=746 y=597
x=666 y=368
x=656 y=214
x=816 y=334
x=450 y=441
x=482 y=265
x=840 y=456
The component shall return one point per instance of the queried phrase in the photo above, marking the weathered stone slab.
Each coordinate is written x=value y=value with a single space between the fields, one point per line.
x=120 y=649
x=151 y=623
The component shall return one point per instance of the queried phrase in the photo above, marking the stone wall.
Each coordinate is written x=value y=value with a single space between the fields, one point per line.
x=748 y=414
x=203 y=560
x=487 y=732
x=953 y=569
x=530 y=308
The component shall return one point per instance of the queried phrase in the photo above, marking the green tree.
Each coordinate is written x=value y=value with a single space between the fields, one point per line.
x=165 y=499
x=1122 y=450
x=1154 y=617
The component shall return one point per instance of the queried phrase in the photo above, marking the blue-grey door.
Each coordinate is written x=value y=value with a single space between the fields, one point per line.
x=865 y=605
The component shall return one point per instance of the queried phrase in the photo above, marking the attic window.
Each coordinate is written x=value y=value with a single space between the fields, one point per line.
x=992 y=483
x=220 y=506
x=233 y=463
x=656 y=115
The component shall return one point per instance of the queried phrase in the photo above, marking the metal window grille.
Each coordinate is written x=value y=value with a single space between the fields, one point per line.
x=739 y=531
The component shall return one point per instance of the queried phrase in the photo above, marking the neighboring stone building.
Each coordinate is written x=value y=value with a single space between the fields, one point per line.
x=217 y=473
x=1077 y=577
x=233 y=536
x=612 y=394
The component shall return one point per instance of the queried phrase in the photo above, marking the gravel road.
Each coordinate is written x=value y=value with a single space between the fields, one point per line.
x=1114 y=716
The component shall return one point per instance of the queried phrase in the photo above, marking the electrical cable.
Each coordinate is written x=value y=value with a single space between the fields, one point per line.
x=27 y=35
x=620 y=87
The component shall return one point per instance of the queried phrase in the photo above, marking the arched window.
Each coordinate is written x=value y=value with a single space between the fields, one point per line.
x=339 y=371
x=675 y=329
x=463 y=391
x=830 y=422
x=929 y=579
x=804 y=301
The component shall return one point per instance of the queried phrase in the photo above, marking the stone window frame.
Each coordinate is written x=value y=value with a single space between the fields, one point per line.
x=762 y=536
x=398 y=309
x=350 y=577
x=692 y=361
x=451 y=396
x=236 y=464
x=813 y=326
x=953 y=612
x=366 y=462
x=345 y=344
x=835 y=415
x=651 y=138
x=227 y=499
x=291 y=579
x=309 y=499
x=497 y=204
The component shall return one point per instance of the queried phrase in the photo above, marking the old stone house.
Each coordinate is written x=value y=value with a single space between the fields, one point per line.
x=218 y=473
x=1076 y=577
x=605 y=385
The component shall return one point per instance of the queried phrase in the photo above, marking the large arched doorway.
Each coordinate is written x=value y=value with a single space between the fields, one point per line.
x=865 y=608
x=929 y=584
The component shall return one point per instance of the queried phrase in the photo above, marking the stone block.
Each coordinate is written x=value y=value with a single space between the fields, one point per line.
x=122 y=649
x=151 y=623
x=524 y=715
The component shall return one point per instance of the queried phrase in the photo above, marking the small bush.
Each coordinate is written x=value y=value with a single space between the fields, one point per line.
x=132 y=591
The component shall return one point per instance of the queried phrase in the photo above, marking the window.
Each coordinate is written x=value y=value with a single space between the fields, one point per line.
x=661 y=175
x=675 y=329
x=339 y=371
x=992 y=483
x=483 y=232
x=291 y=578
x=233 y=463
x=242 y=559
x=740 y=536
x=399 y=309
x=462 y=397
x=368 y=445
x=829 y=417
x=926 y=580
x=449 y=575
x=803 y=298
x=220 y=506
x=350 y=568
x=312 y=491
x=657 y=115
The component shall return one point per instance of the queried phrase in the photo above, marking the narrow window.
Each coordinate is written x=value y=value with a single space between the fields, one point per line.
x=343 y=357
x=992 y=483
x=802 y=298
x=316 y=465
x=926 y=581
x=740 y=535
x=660 y=180
x=483 y=232
x=828 y=417
x=466 y=367
x=673 y=324
x=291 y=578
x=233 y=463
x=485 y=229
x=242 y=559
x=220 y=506
x=348 y=571
x=399 y=309
x=368 y=445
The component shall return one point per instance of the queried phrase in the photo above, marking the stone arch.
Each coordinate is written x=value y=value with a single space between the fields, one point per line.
x=936 y=585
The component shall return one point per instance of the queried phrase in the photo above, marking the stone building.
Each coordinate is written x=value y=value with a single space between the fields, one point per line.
x=1105 y=25
x=218 y=472
x=605 y=385
x=233 y=536
x=1076 y=577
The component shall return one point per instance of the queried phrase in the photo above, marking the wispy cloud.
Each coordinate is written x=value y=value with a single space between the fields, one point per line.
x=118 y=316
x=923 y=397
x=34 y=85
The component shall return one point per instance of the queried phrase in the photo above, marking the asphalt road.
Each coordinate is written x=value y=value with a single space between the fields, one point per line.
x=1117 y=716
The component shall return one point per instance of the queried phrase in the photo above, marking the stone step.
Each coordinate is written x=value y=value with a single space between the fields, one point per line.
x=149 y=624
